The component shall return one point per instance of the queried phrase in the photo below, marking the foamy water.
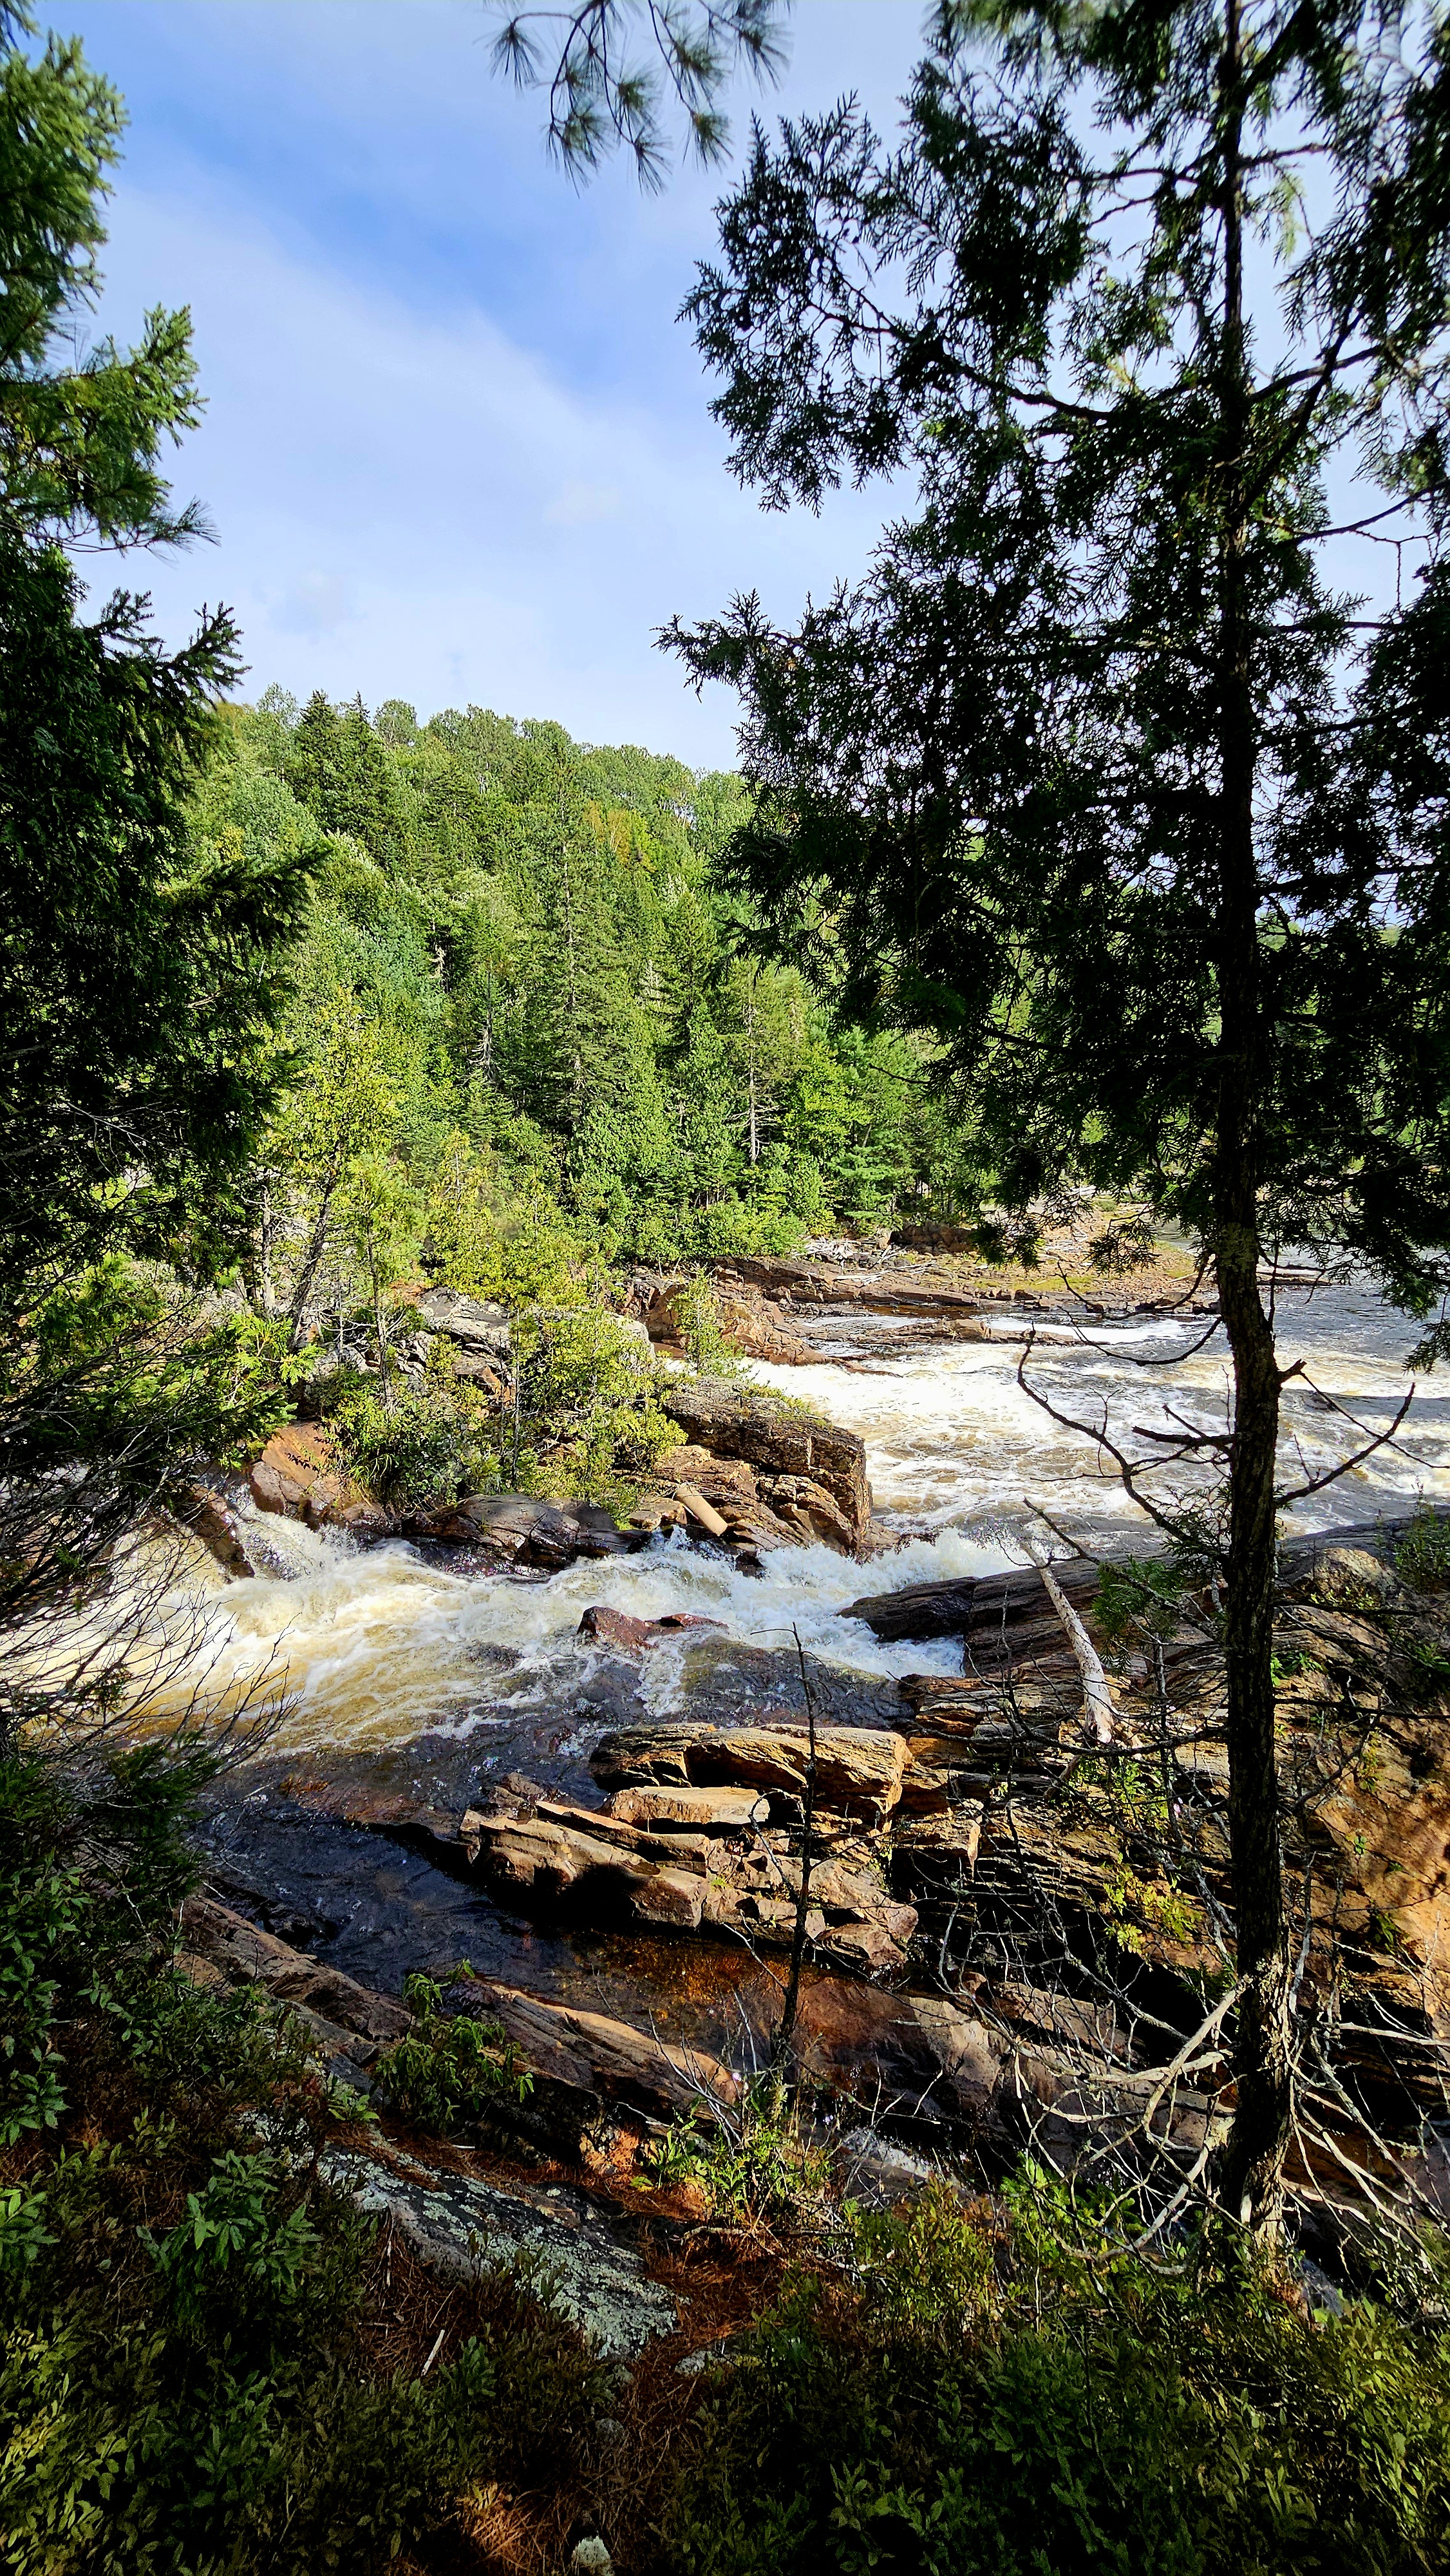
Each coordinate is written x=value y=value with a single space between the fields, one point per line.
x=379 y=1643
x=951 y=1436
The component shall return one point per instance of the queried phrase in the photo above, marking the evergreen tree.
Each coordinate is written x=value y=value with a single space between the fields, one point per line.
x=139 y=973
x=337 y=767
x=1086 y=772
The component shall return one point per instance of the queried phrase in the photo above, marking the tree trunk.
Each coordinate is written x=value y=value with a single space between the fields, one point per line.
x=317 y=1245
x=1250 y=2173
x=780 y=2046
x=381 y=1330
x=1251 y=2168
x=269 y=1297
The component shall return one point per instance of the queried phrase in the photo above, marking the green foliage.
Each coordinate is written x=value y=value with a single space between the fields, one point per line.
x=118 y=1392
x=1026 y=2398
x=427 y=1446
x=757 y=2160
x=183 y=2383
x=449 y=2068
x=581 y=1062
x=140 y=970
x=702 y=1330
x=602 y=96
x=591 y=1381
x=1139 y=1596
x=1422 y=1555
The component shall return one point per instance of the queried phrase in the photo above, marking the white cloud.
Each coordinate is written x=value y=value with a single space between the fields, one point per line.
x=417 y=507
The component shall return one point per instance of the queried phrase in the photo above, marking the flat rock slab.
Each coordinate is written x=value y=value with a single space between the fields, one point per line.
x=598 y=2083
x=859 y=1770
x=459 y=2225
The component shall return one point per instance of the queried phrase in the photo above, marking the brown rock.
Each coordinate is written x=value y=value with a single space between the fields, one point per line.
x=245 y=1954
x=272 y=1491
x=298 y=1475
x=711 y=1811
x=733 y=1423
x=588 y=2069
x=524 y=1531
x=868 y=1290
x=217 y=1527
x=811 y=1511
x=994 y=1613
x=757 y=1328
x=617 y=1628
x=859 y=1770
x=606 y=1627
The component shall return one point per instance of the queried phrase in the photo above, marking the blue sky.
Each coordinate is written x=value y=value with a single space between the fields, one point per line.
x=456 y=446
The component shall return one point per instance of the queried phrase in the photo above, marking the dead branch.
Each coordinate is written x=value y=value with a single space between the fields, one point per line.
x=1097 y=1698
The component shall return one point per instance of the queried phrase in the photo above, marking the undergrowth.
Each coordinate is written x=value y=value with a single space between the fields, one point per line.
x=449 y=2068
x=189 y=2308
x=209 y=2367
x=1004 y=2389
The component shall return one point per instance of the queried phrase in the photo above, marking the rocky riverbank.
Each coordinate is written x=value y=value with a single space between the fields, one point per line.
x=1008 y=1933
x=749 y=1475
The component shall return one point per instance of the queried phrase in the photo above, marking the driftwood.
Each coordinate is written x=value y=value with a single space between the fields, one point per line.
x=1097 y=1699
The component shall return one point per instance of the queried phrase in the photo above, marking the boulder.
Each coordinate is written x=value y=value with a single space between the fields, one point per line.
x=733 y=1423
x=300 y=1477
x=602 y=1626
x=524 y=1531
x=478 y=1325
x=859 y=1770
x=869 y=1289
x=603 y=1870
x=756 y=1327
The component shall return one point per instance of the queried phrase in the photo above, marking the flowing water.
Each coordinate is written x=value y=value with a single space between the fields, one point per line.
x=408 y=1675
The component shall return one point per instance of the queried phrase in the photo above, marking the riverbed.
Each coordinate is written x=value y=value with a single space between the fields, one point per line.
x=408 y=1678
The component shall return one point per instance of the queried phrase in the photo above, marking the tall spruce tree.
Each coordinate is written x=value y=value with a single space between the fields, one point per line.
x=1103 y=773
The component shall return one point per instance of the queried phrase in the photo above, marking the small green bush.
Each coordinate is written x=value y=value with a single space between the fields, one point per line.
x=1422 y=1557
x=758 y=2160
x=449 y=2068
x=428 y=1447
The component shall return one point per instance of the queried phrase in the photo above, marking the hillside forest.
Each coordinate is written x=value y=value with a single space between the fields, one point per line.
x=522 y=991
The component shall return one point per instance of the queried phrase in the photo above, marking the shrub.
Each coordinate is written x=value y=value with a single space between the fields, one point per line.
x=185 y=2385
x=1422 y=1557
x=428 y=1446
x=758 y=2160
x=449 y=2068
x=1026 y=2399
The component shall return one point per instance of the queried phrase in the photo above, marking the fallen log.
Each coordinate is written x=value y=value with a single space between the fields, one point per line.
x=977 y=1607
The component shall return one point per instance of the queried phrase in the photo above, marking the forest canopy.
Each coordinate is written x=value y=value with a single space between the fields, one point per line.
x=522 y=984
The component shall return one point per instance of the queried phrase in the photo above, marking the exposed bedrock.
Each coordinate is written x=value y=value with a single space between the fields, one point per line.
x=787 y=1453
